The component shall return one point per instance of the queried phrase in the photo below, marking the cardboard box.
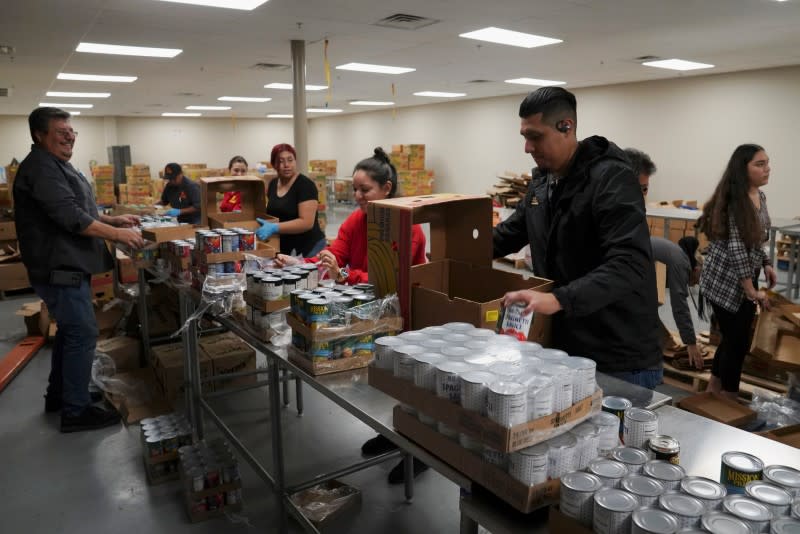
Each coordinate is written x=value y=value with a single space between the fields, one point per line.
x=103 y=285
x=482 y=428
x=247 y=221
x=558 y=522
x=8 y=230
x=266 y=306
x=324 y=367
x=123 y=350
x=13 y=275
x=718 y=408
x=262 y=250
x=521 y=496
x=170 y=233
x=787 y=351
x=108 y=320
x=789 y=435
x=145 y=398
x=661 y=282
x=128 y=274
x=229 y=354
x=167 y=361
x=37 y=319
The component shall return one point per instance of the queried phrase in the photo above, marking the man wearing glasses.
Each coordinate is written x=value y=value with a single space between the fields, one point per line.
x=61 y=238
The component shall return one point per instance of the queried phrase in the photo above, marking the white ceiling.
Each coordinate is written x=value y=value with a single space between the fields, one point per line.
x=601 y=39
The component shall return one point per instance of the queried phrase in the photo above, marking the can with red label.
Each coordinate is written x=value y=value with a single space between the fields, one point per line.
x=247 y=240
x=212 y=243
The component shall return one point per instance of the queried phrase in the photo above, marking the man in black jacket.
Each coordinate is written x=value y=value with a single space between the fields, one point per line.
x=61 y=237
x=584 y=218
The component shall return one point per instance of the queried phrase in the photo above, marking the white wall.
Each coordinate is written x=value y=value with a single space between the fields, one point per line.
x=689 y=126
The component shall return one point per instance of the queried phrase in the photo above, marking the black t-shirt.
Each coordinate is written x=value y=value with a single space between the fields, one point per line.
x=285 y=209
x=183 y=195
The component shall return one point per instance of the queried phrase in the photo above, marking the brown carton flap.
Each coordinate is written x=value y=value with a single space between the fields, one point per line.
x=716 y=407
x=355 y=328
x=787 y=351
x=324 y=367
x=170 y=233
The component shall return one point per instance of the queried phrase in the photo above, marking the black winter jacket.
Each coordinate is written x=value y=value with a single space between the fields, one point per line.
x=592 y=240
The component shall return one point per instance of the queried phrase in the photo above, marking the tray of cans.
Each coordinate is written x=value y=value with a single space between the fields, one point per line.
x=161 y=438
x=229 y=245
x=211 y=479
x=165 y=230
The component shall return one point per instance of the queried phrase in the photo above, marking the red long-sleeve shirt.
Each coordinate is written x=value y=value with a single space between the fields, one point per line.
x=350 y=247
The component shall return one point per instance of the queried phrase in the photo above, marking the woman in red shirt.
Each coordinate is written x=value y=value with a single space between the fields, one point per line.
x=232 y=200
x=345 y=259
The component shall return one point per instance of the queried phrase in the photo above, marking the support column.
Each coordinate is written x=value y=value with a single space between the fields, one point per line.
x=299 y=104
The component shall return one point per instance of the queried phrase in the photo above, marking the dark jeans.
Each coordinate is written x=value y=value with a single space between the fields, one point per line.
x=735 y=329
x=73 y=350
x=647 y=378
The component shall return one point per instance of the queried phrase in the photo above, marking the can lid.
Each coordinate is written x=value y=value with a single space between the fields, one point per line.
x=617 y=403
x=455 y=337
x=605 y=419
x=783 y=475
x=553 y=354
x=389 y=341
x=663 y=470
x=406 y=350
x=616 y=500
x=722 y=522
x=640 y=414
x=768 y=493
x=503 y=387
x=785 y=525
x=427 y=357
x=742 y=461
x=680 y=504
x=655 y=521
x=666 y=444
x=585 y=429
x=458 y=327
x=481 y=333
x=478 y=377
x=455 y=352
x=703 y=488
x=562 y=441
x=580 y=481
x=537 y=450
x=433 y=343
x=628 y=455
x=435 y=331
x=579 y=362
x=480 y=359
x=746 y=508
x=453 y=366
x=318 y=302
x=607 y=468
x=642 y=485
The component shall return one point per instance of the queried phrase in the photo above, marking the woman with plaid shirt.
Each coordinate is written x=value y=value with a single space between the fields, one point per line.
x=737 y=223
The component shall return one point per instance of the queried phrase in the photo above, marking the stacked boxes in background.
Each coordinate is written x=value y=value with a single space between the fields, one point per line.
x=13 y=274
x=7 y=185
x=322 y=171
x=104 y=184
x=229 y=354
x=412 y=177
x=138 y=188
x=325 y=167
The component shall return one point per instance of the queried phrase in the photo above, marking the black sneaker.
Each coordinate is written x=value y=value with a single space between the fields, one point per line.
x=53 y=404
x=398 y=474
x=91 y=418
x=377 y=445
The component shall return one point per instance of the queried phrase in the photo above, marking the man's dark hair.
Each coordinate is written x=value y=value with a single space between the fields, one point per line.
x=640 y=162
x=39 y=119
x=554 y=103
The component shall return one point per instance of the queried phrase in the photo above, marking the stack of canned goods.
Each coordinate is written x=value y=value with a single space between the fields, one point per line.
x=161 y=436
x=157 y=221
x=277 y=284
x=206 y=466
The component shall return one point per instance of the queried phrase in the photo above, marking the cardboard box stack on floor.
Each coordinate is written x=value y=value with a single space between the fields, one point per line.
x=412 y=176
x=322 y=171
x=7 y=185
x=104 y=184
x=510 y=190
x=139 y=188
x=228 y=354
x=775 y=348
x=13 y=274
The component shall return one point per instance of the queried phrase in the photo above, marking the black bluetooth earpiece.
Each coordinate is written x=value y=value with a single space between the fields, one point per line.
x=562 y=126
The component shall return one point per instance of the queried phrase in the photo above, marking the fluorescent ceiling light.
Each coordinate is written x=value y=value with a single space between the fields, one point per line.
x=208 y=108
x=380 y=69
x=243 y=99
x=67 y=94
x=78 y=106
x=181 y=114
x=439 y=94
x=73 y=113
x=511 y=38
x=279 y=116
x=535 y=81
x=677 y=64
x=370 y=103
x=288 y=86
x=245 y=5
x=119 y=50
x=323 y=110
x=95 y=78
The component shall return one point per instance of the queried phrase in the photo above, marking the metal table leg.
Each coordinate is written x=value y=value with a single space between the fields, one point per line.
x=773 y=232
x=408 y=467
x=285 y=380
x=791 y=276
x=467 y=525
x=793 y=264
x=298 y=393
x=144 y=320
x=183 y=308
x=666 y=228
x=277 y=445
x=191 y=349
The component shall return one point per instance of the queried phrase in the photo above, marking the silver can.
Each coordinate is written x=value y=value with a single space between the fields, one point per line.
x=785 y=525
x=748 y=510
x=475 y=390
x=707 y=491
x=384 y=355
x=448 y=381
x=647 y=520
x=608 y=424
x=540 y=395
x=612 y=511
x=685 y=508
x=777 y=499
x=404 y=361
x=610 y=472
x=495 y=457
x=588 y=436
x=561 y=455
x=577 y=496
x=466 y=441
x=667 y=473
x=737 y=469
x=722 y=523
x=507 y=403
x=425 y=370
x=562 y=384
x=786 y=477
x=584 y=383
x=529 y=465
x=639 y=426
x=634 y=459
x=647 y=490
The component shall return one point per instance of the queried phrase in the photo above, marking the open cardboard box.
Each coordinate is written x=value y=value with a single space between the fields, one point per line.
x=262 y=250
x=266 y=306
x=789 y=435
x=8 y=230
x=715 y=406
x=459 y=282
x=229 y=354
x=162 y=234
x=558 y=522
x=787 y=350
x=324 y=367
x=254 y=204
x=475 y=425
x=519 y=495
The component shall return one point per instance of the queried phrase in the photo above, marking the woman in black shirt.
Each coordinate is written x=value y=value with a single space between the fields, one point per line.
x=293 y=199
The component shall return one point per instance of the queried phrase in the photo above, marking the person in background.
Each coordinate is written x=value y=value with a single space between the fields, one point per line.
x=737 y=223
x=182 y=194
x=680 y=267
x=232 y=200
x=61 y=238
x=374 y=178
x=293 y=199
x=584 y=218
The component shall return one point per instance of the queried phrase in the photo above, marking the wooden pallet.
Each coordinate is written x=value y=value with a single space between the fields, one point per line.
x=696 y=381
x=517 y=264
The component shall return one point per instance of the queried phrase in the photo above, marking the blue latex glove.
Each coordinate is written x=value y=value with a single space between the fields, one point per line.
x=266 y=230
x=173 y=212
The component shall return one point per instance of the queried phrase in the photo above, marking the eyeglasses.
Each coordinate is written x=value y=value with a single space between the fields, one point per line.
x=67 y=133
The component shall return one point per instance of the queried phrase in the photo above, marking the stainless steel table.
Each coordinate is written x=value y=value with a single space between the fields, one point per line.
x=792 y=289
x=639 y=396
x=678 y=214
x=703 y=442
x=778 y=224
